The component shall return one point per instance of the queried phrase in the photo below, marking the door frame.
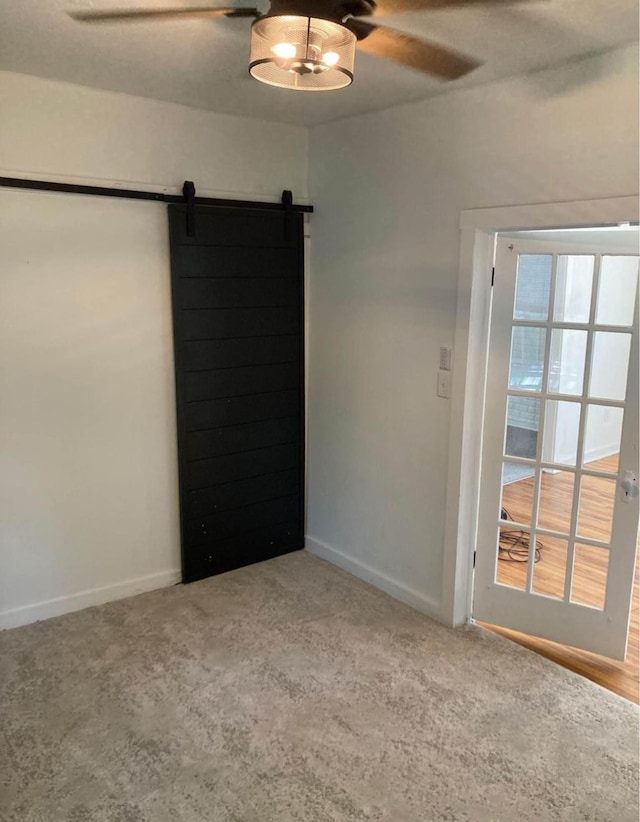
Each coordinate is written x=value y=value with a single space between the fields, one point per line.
x=478 y=229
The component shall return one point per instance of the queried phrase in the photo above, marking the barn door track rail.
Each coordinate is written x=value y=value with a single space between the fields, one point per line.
x=188 y=196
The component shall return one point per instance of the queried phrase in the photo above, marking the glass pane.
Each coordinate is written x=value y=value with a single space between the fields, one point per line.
x=551 y=566
x=590 y=569
x=523 y=415
x=561 y=424
x=513 y=553
x=517 y=492
x=566 y=361
x=574 y=278
x=556 y=501
x=603 y=435
x=533 y=287
x=595 y=515
x=617 y=291
x=610 y=364
x=527 y=358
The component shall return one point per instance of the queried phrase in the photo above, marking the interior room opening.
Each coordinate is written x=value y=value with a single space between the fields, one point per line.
x=571 y=325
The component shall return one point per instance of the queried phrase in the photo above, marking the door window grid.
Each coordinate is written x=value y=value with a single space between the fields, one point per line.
x=546 y=613
x=533 y=530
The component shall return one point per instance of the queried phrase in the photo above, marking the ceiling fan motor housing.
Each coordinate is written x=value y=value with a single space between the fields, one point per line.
x=336 y=10
x=303 y=44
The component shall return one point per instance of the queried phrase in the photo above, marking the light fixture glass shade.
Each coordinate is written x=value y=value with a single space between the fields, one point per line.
x=304 y=53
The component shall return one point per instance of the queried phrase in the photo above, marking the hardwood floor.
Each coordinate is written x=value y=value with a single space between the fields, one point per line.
x=590 y=570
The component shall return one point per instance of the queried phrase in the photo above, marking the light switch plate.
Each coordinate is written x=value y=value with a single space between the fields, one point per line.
x=444 y=384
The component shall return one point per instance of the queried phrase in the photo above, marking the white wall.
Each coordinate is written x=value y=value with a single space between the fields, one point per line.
x=66 y=131
x=388 y=189
x=88 y=477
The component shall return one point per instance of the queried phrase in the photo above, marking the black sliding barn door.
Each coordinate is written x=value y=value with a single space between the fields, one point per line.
x=237 y=287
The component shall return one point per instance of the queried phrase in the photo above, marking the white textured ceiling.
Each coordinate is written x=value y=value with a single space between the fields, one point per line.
x=203 y=63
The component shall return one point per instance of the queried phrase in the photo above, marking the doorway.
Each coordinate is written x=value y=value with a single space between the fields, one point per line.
x=516 y=487
x=567 y=415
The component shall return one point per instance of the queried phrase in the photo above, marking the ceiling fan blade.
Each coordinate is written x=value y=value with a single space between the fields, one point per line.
x=133 y=15
x=409 y=51
x=399 y=6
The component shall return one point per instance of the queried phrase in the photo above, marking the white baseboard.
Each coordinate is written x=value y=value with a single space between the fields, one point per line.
x=602 y=452
x=85 y=599
x=589 y=456
x=393 y=587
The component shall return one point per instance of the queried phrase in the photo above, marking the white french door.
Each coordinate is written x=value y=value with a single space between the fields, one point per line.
x=559 y=509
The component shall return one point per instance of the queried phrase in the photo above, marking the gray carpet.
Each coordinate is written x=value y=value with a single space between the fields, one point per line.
x=292 y=691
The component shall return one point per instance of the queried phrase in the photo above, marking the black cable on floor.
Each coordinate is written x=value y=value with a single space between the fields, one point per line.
x=514 y=545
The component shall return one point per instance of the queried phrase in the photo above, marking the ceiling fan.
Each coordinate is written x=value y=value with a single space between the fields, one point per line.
x=309 y=45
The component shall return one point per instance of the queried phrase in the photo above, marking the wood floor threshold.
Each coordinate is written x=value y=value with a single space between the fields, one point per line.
x=619 y=677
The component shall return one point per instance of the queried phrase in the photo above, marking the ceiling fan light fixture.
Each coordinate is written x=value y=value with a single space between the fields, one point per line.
x=302 y=53
x=331 y=58
x=284 y=51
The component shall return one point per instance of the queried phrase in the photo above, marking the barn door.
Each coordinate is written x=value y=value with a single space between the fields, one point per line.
x=559 y=490
x=237 y=287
